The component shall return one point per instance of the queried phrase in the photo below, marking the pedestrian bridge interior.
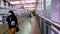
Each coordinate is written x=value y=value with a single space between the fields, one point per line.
x=45 y=16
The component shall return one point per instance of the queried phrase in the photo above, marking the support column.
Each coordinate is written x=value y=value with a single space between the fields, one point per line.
x=44 y=8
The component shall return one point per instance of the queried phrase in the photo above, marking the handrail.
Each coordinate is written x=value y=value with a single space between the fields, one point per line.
x=55 y=24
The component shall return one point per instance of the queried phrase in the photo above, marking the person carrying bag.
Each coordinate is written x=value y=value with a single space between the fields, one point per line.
x=17 y=29
x=12 y=22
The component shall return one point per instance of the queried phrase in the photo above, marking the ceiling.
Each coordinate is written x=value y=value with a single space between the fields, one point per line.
x=27 y=4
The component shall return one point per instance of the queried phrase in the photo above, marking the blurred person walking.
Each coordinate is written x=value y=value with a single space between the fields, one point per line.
x=12 y=22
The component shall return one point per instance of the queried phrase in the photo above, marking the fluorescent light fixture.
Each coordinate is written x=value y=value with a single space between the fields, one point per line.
x=15 y=2
x=23 y=2
x=28 y=1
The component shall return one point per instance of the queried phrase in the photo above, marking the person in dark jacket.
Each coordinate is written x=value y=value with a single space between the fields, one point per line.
x=12 y=22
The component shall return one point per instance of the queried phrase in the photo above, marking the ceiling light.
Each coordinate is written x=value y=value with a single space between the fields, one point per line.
x=28 y=1
x=23 y=1
x=15 y=2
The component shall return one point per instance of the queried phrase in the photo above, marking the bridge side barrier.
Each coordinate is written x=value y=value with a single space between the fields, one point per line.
x=48 y=26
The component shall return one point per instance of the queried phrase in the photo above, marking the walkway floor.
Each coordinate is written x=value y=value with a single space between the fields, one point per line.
x=25 y=27
x=29 y=26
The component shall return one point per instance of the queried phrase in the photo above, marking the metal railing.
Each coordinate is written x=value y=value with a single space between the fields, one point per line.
x=47 y=26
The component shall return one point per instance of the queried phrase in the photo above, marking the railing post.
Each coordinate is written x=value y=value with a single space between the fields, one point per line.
x=44 y=26
x=40 y=24
x=48 y=28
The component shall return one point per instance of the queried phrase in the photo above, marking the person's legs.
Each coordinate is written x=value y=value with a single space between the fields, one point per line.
x=12 y=31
